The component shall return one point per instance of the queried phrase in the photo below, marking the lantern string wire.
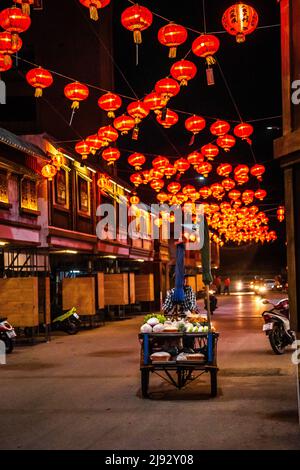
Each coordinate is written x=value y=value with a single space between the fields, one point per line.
x=204 y=15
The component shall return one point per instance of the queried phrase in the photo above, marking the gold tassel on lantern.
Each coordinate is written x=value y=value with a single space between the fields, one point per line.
x=135 y=133
x=6 y=59
x=94 y=13
x=14 y=41
x=26 y=8
x=210 y=60
x=111 y=114
x=75 y=105
x=173 y=52
x=38 y=92
x=137 y=36
x=183 y=82
x=240 y=37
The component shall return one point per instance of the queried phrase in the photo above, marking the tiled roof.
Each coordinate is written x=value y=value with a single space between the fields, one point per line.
x=18 y=143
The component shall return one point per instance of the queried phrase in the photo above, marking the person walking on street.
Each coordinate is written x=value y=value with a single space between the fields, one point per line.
x=218 y=283
x=227 y=286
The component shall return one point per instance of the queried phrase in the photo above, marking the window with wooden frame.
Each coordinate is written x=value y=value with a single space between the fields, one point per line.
x=83 y=185
x=60 y=189
x=28 y=196
x=4 y=199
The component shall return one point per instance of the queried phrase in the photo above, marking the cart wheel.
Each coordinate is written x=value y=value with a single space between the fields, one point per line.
x=145 y=382
x=213 y=383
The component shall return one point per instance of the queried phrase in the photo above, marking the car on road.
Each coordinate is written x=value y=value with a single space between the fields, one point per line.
x=269 y=284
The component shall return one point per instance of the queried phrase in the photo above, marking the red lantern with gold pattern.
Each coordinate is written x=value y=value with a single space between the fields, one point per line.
x=224 y=169
x=94 y=142
x=210 y=151
x=136 y=179
x=167 y=88
x=195 y=124
x=181 y=165
x=124 y=123
x=146 y=176
x=49 y=171
x=281 y=213
x=14 y=21
x=5 y=63
x=226 y=142
x=76 y=92
x=156 y=174
x=188 y=190
x=162 y=197
x=183 y=71
x=157 y=185
x=257 y=171
x=205 y=192
x=83 y=149
x=234 y=194
x=134 y=200
x=111 y=155
x=195 y=158
x=170 y=171
x=248 y=197
x=110 y=102
x=94 y=6
x=8 y=46
x=220 y=128
x=25 y=5
x=137 y=160
x=239 y=20
x=160 y=163
x=228 y=184
x=260 y=194
x=39 y=79
x=204 y=169
x=107 y=134
x=174 y=187
x=155 y=102
x=172 y=35
x=206 y=46
x=241 y=170
x=136 y=19
x=243 y=131
x=168 y=119
x=138 y=110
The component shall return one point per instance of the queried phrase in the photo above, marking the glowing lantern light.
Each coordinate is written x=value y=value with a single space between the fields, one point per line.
x=110 y=102
x=170 y=171
x=168 y=119
x=210 y=151
x=174 y=187
x=134 y=200
x=234 y=194
x=111 y=155
x=206 y=46
x=136 y=179
x=14 y=21
x=146 y=176
x=7 y=46
x=220 y=128
x=195 y=124
x=172 y=35
x=5 y=63
x=156 y=174
x=181 y=165
x=154 y=102
x=137 y=160
x=157 y=185
x=107 y=134
x=138 y=110
x=228 y=184
x=94 y=142
x=241 y=170
x=195 y=158
x=226 y=142
x=94 y=6
x=136 y=19
x=248 y=197
x=49 y=171
x=183 y=71
x=39 y=78
x=58 y=160
x=243 y=131
x=160 y=163
x=241 y=179
x=124 y=124
x=167 y=88
x=204 y=169
x=205 y=192
x=25 y=5
x=260 y=194
x=83 y=149
x=281 y=213
x=162 y=197
x=188 y=190
x=257 y=171
x=76 y=92
x=240 y=20
x=224 y=169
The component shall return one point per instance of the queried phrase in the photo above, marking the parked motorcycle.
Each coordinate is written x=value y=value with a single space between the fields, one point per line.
x=69 y=321
x=213 y=302
x=277 y=326
x=7 y=335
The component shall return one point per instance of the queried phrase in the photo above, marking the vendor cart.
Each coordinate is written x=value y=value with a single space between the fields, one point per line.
x=179 y=373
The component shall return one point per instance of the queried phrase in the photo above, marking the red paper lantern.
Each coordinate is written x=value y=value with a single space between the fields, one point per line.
x=188 y=190
x=226 y=142
x=220 y=128
x=281 y=213
x=206 y=46
x=134 y=200
x=242 y=179
x=124 y=124
x=195 y=158
x=49 y=171
x=162 y=197
x=239 y=20
x=170 y=171
x=205 y=192
x=183 y=71
x=244 y=130
x=172 y=35
x=174 y=187
x=110 y=102
x=83 y=149
x=94 y=142
x=156 y=174
x=136 y=179
x=136 y=18
x=14 y=21
x=146 y=176
x=137 y=160
x=94 y=6
x=260 y=194
x=224 y=169
x=204 y=169
x=160 y=163
x=195 y=124
x=248 y=196
x=241 y=170
x=210 y=151
x=181 y=165
x=234 y=194
x=154 y=102
x=257 y=171
x=8 y=46
x=5 y=63
x=168 y=119
x=25 y=5
x=157 y=185
x=111 y=155
x=76 y=92
x=107 y=134
x=39 y=79
x=167 y=88
x=228 y=184
x=138 y=110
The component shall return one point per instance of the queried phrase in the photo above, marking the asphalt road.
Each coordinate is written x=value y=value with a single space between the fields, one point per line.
x=83 y=392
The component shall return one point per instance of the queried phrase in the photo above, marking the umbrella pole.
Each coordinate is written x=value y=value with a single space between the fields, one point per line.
x=208 y=307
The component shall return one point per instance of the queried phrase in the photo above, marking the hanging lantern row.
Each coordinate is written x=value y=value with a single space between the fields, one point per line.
x=94 y=6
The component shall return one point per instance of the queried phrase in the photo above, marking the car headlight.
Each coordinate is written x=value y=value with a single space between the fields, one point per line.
x=239 y=285
x=262 y=289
